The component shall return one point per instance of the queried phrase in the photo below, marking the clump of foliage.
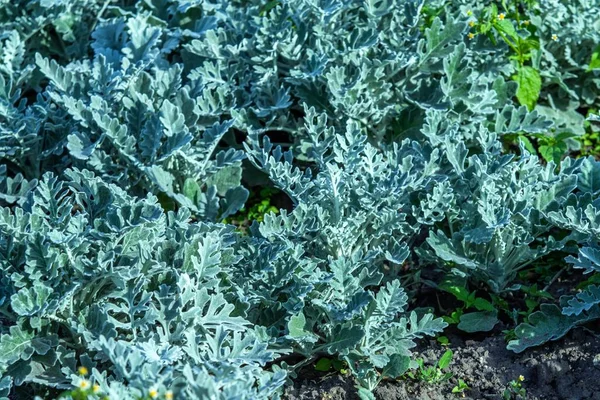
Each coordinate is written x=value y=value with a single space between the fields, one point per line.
x=258 y=205
x=435 y=373
x=515 y=389
x=128 y=130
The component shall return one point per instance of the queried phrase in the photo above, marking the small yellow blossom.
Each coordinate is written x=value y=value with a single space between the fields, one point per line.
x=501 y=16
x=521 y=378
x=82 y=371
x=84 y=384
x=153 y=393
x=471 y=35
x=469 y=13
x=96 y=388
x=169 y=395
x=555 y=37
x=526 y=22
x=471 y=23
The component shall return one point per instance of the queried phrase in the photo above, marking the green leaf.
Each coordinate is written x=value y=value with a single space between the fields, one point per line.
x=338 y=364
x=595 y=60
x=530 y=85
x=507 y=28
x=324 y=364
x=191 y=190
x=564 y=136
x=397 y=366
x=481 y=321
x=527 y=144
x=443 y=340
x=483 y=305
x=445 y=360
x=553 y=152
x=268 y=7
x=455 y=286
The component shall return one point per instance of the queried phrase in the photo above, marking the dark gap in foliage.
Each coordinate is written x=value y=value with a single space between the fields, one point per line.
x=238 y=135
x=297 y=112
x=282 y=138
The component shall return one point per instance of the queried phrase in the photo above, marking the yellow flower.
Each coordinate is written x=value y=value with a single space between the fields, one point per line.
x=169 y=395
x=526 y=22
x=84 y=384
x=521 y=378
x=471 y=35
x=501 y=16
x=82 y=371
x=469 y=13
x=153 y=393
x=555 y=37
x=96 y=388
x=471 y=23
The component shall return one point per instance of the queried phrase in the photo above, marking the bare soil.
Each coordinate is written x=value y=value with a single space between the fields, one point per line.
x=568 y=369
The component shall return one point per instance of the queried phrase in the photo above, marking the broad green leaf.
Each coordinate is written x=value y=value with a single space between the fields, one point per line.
x=480 y=321
x=530 y=85
x=553 y=152
x=483 y=305
x=507 y=28
x=324 y=364
x=460 y=292
x=397 y=366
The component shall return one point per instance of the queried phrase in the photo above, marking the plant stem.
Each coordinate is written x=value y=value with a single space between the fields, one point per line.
x=104 y=7
x=554 y=278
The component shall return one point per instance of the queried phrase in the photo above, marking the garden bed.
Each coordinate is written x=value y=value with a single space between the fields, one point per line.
x=217 y=199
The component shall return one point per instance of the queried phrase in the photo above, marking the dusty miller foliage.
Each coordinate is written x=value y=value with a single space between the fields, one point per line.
x=121 y=130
